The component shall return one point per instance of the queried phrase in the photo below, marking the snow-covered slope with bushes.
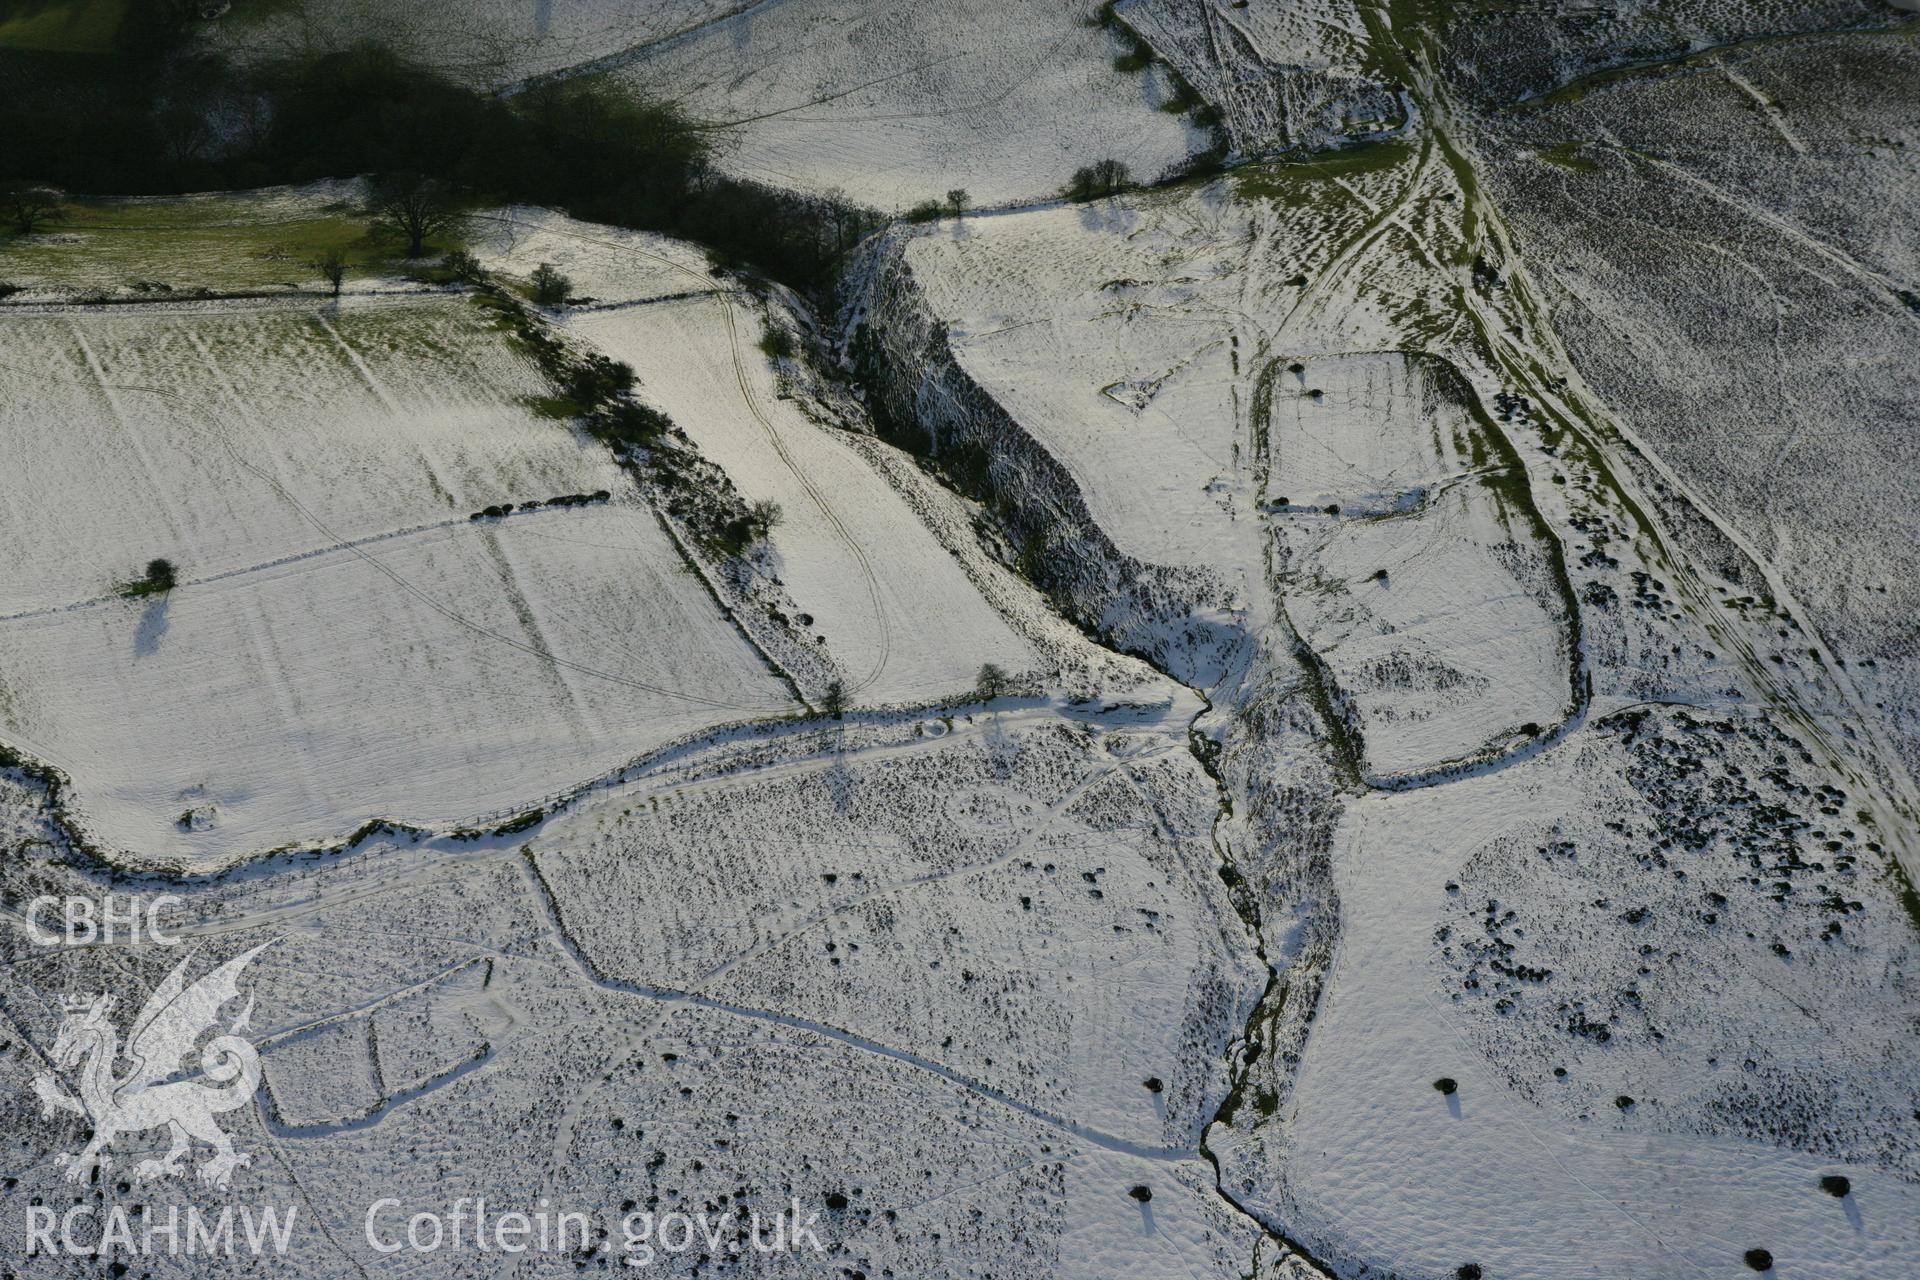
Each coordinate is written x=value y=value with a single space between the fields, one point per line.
x=869 y=581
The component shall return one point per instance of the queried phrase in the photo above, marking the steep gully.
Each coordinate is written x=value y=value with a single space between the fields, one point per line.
x=1524 y=351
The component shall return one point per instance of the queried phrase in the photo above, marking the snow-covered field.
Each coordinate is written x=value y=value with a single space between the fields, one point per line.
x=1418 y=1181
x=345 y=642
x=1782 y=198
x=827 y=977
x=1282 y=74
x=1445 y=808
x=484 y=42
x=893 y=104
x=904 y=626
x=1438 y=626
x=1208 y=363
x=1423 y=585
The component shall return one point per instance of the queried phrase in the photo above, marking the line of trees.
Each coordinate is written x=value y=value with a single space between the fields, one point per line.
x=1101 y=178
x=161 y=117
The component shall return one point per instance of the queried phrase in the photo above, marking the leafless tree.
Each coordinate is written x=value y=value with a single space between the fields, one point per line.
x=27 y=205
x=992 y=682
x=416 y=207
x=763 y=516
x=550 y=288
x=332 y=266
x=185 y=134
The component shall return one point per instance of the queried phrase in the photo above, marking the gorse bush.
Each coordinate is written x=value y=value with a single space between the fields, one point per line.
x=160 y=578
x=777 y=342
x=598 y=378
x=630 y=423
x=461 y=265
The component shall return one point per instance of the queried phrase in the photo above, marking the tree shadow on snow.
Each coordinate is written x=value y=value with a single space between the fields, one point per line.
x=1107 y=215
x=153 y=625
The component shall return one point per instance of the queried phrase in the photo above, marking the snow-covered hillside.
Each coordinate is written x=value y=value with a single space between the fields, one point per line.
x=346 y=640
x=1781 y=195
x=1483 y=603
x=895 y=104
x=889 y=104
x=1346 y=708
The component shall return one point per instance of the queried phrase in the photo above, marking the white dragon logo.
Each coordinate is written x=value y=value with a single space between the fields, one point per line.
x=157 y=1089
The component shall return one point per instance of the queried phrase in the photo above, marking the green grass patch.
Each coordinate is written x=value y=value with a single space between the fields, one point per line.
x=1568 y=155
x=1295 y=183
x=554 y=406
x=213 y=242
x=61 y=26
x=1908 y=898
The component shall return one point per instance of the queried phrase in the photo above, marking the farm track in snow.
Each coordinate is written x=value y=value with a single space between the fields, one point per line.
x=1576 y=407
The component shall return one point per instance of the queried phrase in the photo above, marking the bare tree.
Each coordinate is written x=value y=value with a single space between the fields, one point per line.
x=416 y=207
x=27 y=205
x=184 y=133
x=763 y=516
x=550 y=288
x=958 y=200
x=991 y=683
x=332 y=266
